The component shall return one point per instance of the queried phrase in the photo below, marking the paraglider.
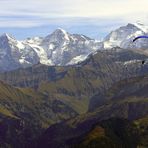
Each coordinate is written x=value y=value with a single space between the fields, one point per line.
x=139 y=37
x=143 y=62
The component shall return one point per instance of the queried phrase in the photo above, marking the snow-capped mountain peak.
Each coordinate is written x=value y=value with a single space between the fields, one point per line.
x=58 y=34
x=7 y=37
x=123 y=36
x=63 y=48
x=60 y=31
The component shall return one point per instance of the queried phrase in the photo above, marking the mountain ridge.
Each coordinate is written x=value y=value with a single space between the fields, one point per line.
x=58 y=48
x=62 y=48
x=42 y=95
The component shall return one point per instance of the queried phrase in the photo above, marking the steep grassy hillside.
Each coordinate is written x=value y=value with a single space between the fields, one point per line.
x=75 y=85
x=40 y=96
x=127 y=99
x=142 y=125
x=25 y=117
x=111 y=133
x=106 y=126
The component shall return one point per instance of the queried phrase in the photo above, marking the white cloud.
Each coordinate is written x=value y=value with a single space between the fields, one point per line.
x=44 y=10
x=97 y=8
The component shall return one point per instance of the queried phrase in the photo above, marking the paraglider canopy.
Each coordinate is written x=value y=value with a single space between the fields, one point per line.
x=143 y=62
x=139 y=37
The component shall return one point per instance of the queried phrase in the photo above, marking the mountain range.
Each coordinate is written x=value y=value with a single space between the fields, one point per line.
x=58 y=48
x=62 y=48
x=70 y=91
x=104 y=86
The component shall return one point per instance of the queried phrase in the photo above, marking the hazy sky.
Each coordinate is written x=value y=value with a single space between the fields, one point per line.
x=95 y=18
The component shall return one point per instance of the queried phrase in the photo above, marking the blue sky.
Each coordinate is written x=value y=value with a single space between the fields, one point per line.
x=94 y=18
